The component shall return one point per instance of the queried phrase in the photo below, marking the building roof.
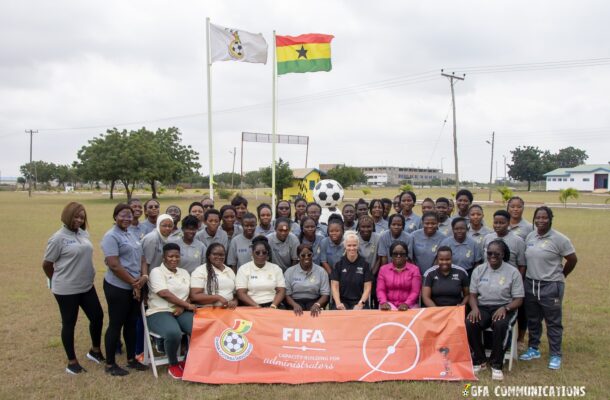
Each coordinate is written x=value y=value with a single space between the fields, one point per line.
x=579 y=169
x=301 y=173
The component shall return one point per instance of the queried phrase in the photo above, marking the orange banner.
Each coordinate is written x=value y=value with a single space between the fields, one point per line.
x=273 y=346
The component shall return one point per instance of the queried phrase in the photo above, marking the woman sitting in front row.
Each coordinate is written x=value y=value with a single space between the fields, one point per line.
x=169 y=312
x=351 y=278
x=399 y=281
x=445 y=284
x=307 y=287
x=213 y=283
x=496 y=292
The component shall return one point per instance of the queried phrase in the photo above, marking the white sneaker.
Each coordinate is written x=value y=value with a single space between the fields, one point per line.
x=479 y=368
x=497 y=375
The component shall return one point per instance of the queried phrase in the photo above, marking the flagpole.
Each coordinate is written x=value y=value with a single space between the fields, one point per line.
x=273 y=128
x=208 y=66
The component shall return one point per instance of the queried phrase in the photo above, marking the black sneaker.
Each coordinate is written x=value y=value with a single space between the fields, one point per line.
x=96 y=356
x=115 y=370
x=75 y=369
x=136 y=365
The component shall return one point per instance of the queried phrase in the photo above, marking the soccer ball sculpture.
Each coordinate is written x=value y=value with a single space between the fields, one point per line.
x=328 y=193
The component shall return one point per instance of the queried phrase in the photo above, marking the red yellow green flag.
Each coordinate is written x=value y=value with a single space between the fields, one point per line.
x=304 y=53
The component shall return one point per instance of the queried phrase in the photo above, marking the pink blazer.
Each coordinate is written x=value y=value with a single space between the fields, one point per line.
x=399 y=288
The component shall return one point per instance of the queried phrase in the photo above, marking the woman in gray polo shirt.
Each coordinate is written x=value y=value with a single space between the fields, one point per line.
x=123 y=282
x=68 y=264
x=496 y=292
x=307 y=286
x=544 y=284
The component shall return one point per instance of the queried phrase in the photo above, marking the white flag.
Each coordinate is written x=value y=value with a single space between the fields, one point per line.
x=228 y=44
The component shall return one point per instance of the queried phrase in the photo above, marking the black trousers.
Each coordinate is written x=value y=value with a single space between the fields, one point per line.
x=543 y=300
x=501 y=330
x=305 y=304
x=68 y=308
x=123 y=311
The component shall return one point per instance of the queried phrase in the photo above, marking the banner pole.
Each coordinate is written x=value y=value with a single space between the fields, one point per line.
x=208 y=66
x=273 y=128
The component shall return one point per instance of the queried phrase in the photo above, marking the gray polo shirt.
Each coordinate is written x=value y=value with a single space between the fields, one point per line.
x=322 y=229
x=381 y=226
x=386 y=239
x=152 y=247
x=330 y=252
x=138 y=231
x=464 y=254
x=220 y=237
x=146 y=226
x=445 y=227
x=515 y=244
x=368 y=250
x=544 y=255
x=412 y=223
x=315 y=247
x=72 y=256
x=522 y=229
x=496 y=287
x=295 y=229
x=191 y=255
x=283 y=253
x=422 y=249
x=117 y=242
x=261 y=231
x=310 y=285
x=237 y=230
x=240 y=251
x=479 y=237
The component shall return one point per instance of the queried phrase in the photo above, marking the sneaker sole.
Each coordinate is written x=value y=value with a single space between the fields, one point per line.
x=529 y=358
x=95 y=360
x=70 y=372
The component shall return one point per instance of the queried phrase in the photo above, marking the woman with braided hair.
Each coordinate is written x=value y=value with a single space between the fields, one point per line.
x=213 y=283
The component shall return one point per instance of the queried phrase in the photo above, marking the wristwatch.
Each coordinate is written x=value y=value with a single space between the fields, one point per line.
x=507 y=308
x=317 y=304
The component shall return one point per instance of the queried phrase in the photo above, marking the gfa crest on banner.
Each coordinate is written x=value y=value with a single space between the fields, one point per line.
x=232 y=344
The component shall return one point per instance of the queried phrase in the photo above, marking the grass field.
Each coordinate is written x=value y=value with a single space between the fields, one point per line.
x=34 y=360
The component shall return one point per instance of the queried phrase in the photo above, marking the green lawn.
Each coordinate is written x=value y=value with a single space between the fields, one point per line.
x=34 y=359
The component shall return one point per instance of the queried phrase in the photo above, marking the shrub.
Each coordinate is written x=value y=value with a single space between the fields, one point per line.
x=179 y=189
x=566 y=194
x=506 y=193
x=406 y=187
x=366 y=191
x=225 y=194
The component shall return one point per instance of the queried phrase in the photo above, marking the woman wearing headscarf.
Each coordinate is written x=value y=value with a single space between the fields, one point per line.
x=68 y=264
x=153 y=242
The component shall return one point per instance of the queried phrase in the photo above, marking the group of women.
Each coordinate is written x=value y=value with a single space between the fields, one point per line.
x=364 y=258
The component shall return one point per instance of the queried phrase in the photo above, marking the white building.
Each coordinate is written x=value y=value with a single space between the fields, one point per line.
x=376 y=179
x=585 y=178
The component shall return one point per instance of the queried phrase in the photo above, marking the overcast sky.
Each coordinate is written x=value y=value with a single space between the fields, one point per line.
x=93 y=65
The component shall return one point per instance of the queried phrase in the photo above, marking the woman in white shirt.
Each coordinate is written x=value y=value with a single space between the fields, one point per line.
x=169 y=311
x=260 y=283
x=219 y=290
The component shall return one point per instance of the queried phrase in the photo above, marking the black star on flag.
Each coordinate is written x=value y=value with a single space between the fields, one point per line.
x=302 y=52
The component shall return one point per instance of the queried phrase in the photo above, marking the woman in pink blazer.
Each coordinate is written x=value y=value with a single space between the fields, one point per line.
x=399 y=282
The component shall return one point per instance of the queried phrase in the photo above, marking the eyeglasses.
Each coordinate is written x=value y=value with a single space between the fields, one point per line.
x=152 y=206
x=208 y=206
x=399 y=254
x=283 y=208
x=306 y=255
x=493 y=254
x=218 y=254
x=261 y=252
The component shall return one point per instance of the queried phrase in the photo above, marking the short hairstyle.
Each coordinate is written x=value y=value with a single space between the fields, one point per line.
x=300 y=200
x=427 y=200
x=211 y=211
x=239 y=200
x=352 y=235
x=190 y=221
x=394 y=216
x=262 y=240
x=464 y=192
x=261 y=207
x=151 y=200
x=442 y=200
x=335 y=219
x=302 y=247
x=444 y=248
x=385 y=200
x=170 y=246
x=172 y=206
x=515 y=198
x=348 y=205
x=282 y=220
x=69 y=211
x=549 y=212
x=505 y=248
x=313 y=204
x=431 y=214
x=410 y=193
x=133 y=200
x=248 y=215
x=195 y=204
x=475 y=206
x=226 y=207
x=362 y=201
x=398 y=243
x=373 y=202
x=457 y=220
x=502 y=213
x=366 y=218
x=120 y=207
x=278 y=205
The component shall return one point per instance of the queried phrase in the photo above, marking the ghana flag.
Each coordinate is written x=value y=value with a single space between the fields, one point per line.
x=304 y=53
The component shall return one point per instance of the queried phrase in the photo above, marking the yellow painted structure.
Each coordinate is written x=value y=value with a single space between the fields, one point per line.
x=303 y=182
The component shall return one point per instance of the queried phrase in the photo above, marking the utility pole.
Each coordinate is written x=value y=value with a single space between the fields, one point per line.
x=491 y=167
x=455 y=152
x=233 y=173
x=31 y=132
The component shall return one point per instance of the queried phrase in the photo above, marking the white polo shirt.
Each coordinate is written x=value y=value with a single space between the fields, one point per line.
x=225 y=278
x=161 y=278
x=260 y=282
